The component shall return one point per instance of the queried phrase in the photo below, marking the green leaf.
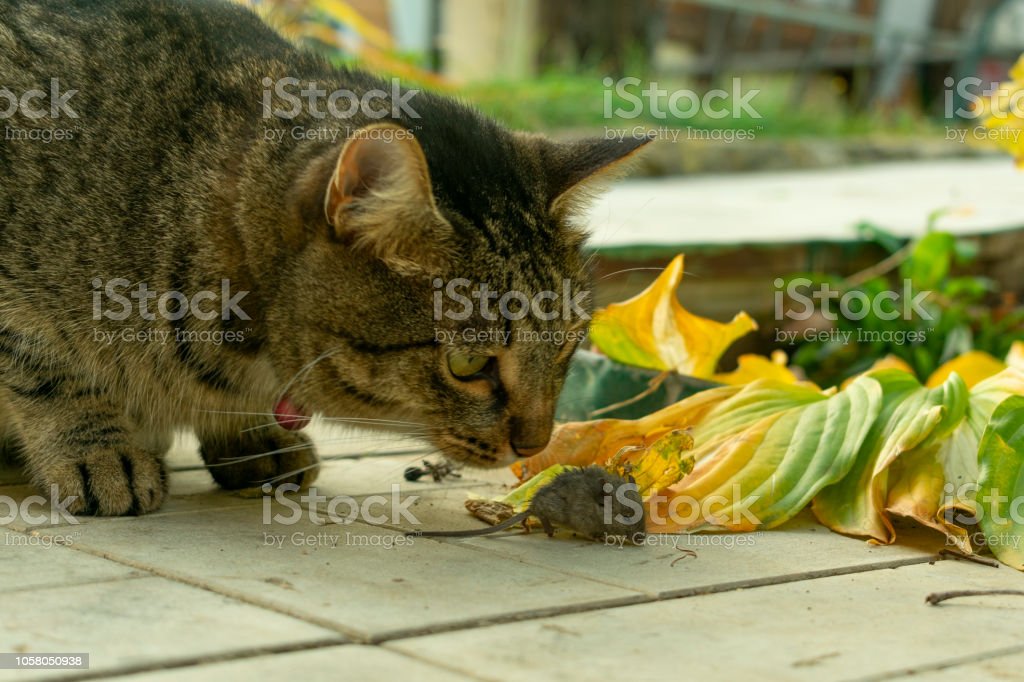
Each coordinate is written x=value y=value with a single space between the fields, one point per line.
x=966 y=251
x=1001 y=482
x=930 y=260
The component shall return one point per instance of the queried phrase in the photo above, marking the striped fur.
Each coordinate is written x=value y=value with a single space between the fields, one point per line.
x=175 y=179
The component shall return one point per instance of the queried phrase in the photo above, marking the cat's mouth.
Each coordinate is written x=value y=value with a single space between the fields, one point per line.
x=474 y=452
x=289 y=415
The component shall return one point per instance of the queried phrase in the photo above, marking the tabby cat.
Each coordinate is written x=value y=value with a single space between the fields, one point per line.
x=181 y=247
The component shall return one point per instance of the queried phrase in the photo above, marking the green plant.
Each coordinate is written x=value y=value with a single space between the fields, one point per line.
x=961 y=312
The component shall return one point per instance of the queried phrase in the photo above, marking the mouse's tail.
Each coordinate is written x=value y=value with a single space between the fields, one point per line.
x=507 y=523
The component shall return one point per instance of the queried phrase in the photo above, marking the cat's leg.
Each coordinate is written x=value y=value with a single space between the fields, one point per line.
x=8 y=439
x=250 y=455
x=74 y=436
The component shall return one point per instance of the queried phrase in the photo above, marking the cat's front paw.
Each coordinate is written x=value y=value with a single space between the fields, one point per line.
x=105 y=483
x=247 y=462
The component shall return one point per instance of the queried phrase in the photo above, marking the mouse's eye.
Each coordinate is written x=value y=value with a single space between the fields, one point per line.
x=466 y=365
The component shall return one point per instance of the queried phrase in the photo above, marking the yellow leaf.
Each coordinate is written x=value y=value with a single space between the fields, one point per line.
x=973 y=367
x=654 y=330
x=1000 y=112
x=753 y=367
x=1016 y=356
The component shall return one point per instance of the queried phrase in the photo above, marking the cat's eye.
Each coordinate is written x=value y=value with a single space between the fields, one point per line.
x=465 y=365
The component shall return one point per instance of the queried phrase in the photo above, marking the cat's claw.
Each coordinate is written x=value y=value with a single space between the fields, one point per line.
x=106 y=483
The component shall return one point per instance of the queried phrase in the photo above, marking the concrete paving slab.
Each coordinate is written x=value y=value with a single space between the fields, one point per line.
x=842 y=627
x=363 y=580
x=33 y=562
x=142 y=622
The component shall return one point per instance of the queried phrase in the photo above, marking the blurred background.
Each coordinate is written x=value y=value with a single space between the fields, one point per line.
x=827 y=67
x=866 y=130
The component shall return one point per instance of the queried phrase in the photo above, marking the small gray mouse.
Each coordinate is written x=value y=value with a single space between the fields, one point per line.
x=588 y=500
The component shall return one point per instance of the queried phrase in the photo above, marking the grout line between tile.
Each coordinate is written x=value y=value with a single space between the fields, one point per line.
x=78 y=583
x=640 y=598
x=684 y=592
x=352 y=637
x=177 y=664
x=516 y=616
x=941 y=665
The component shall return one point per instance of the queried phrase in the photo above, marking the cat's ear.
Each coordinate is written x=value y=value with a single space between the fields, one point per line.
x=576 y=171
x=379 y=199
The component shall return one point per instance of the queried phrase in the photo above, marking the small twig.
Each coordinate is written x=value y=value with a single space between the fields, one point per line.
x=939 y=597
x=652 y=386
x=687 y=553
x=882 y=267
x=969 y=557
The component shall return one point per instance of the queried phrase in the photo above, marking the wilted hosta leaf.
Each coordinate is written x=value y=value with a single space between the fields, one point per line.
x=1001 y=483
x=582 y=443
x=764 y=450
x=949 y=454
x=973 y=367
x=920 y=459
x=855 y=505
x=653 y=330
x=764 y=470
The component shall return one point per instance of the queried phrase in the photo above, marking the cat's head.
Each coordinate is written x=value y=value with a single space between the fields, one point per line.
x=407 y=298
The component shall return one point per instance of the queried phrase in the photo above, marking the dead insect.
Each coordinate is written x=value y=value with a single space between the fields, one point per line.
x=437 y=471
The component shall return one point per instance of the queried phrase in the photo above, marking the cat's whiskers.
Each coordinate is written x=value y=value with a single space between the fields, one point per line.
x=303 y=446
